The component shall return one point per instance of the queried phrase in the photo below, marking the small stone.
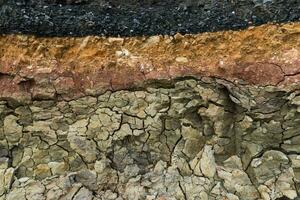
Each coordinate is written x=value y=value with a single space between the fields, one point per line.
x=72 y=190
x=105 y=122
x=79 y=127
x=134 y=190
x=83 y=194
x=195 y=164
x=23 y=179
x=83 y=105
x=84 y=147
x=109 y=195
x=122 y=53
x=116 y=40
x=42 y=171
x=286 y=185
x=268 y=166
x=236 y=180
x=131 y=171
x=295 y=160
x=264 y=192
x=18 y=193
x=124 y=131
x=84 y=43
x=58 y=168
x=233 y=162
x=203 y=195
x=178 y=36
x=217 y=189
x=232 y=196
x=292 y=145
x=245 y=123
x=151 y=41
x=207 y=162
x=44 y=90
x=251 y=150
x=296 y=101
x=87 y=178
x=12 y=130
x=4 y=163
x=63 y=85
x=101 y=165
x=160 y=167
x=35 y=191
x=54 y=193
x=181 y=59
x=42 y=128
x=6 y=179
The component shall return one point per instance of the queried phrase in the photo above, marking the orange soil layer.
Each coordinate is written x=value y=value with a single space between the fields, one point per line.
x=45 y=67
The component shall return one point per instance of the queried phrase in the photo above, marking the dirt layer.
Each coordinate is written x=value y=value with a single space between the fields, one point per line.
x=46 y=67
x=133 y=18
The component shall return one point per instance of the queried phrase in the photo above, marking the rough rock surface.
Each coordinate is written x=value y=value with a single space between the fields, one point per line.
x=189 y=139
x=144 y=118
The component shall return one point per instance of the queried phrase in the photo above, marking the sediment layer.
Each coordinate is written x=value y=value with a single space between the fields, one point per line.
x=136 y=18
x=207 y=116
x=49 y=68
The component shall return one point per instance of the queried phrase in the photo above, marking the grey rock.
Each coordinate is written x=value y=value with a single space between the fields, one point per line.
x=88 y=178
x=190 y=139
x=268 y=166
x=83 y=194
x=207 y=162
x=12 y=130
x=83 y=146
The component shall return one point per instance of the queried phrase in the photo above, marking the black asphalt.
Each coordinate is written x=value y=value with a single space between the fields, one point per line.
x=132 y=18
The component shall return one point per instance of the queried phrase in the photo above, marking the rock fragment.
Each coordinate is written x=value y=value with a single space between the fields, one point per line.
x=207 y=162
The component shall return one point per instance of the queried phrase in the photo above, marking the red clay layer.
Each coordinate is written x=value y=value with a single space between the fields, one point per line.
x=46 y=68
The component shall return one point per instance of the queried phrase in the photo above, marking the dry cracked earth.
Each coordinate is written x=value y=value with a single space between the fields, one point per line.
x=204 y=116
x=191 y=139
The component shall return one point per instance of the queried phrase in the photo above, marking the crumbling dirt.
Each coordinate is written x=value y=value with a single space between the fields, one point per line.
x=264 y=55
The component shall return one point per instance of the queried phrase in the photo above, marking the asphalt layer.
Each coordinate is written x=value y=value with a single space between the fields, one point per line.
x=134 y=18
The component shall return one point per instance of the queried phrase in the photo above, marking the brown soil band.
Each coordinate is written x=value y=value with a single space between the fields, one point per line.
x=45 y=68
